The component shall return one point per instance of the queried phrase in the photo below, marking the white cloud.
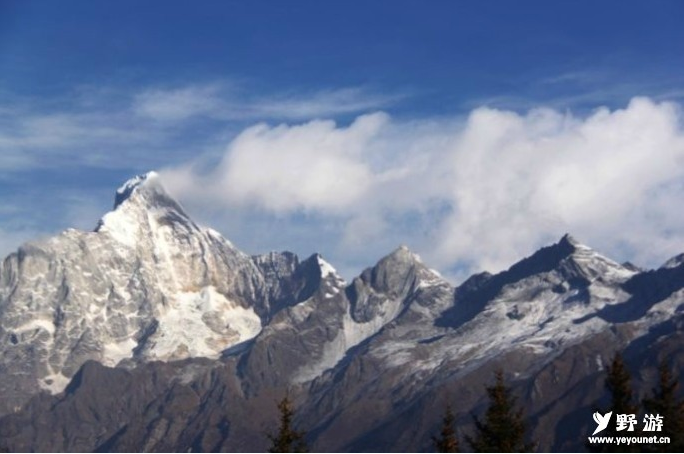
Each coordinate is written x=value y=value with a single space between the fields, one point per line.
x=520 y=180
x=479 y=193
x=311 y=167
x=109 y=131
x=476 y=192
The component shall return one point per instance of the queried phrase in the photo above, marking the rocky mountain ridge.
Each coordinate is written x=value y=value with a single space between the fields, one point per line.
x=187 y=317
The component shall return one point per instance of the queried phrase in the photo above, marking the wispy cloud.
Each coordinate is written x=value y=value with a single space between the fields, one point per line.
x=325 y=103
x=228 y=103
x=576 y=77
x=33 y=138
x=582 y=88
x=110 y=128
x=180 y=103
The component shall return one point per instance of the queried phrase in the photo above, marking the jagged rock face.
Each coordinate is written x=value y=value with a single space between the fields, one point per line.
x=147 y=284
x=314 y=335
x=369 y=363
x=539 y=306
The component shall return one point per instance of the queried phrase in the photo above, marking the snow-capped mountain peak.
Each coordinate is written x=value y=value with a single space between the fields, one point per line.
x=327 y=270
x=404 y=253
x=570 y=240
x=571 y=259
x=126 y=190
x=592 y=264
x=148 y=284
x=142 y=205
x=146 y=192
x=674 y=262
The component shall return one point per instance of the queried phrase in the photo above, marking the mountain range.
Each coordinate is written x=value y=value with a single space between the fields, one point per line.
x=152 y=333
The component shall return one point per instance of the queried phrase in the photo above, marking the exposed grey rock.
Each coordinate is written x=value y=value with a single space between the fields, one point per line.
x=147 y=284
x=206 y=339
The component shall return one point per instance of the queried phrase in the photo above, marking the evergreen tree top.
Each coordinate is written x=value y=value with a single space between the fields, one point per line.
x=447 y=440
x=503 y=428
x=287 y=439
x=664 y=401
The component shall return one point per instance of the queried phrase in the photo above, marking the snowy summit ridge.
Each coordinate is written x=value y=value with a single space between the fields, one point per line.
x=139 y=205
x=126 y=190
x=149 y=284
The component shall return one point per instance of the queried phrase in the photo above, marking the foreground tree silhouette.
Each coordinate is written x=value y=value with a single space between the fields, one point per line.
x=447 y=440
x=619 y=384
x=664 y=402
x=287 y=439
x=503 y=428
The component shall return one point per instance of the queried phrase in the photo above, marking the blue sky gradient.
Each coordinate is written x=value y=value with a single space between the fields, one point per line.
x=93 y=92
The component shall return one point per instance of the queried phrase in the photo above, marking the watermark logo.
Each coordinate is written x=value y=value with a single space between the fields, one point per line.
x=602 y=421
x=653 y=423
x=627 y=423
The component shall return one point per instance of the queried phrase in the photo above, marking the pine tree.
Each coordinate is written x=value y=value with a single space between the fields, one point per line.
x=287 y=439
x=619 y=384
x=447 y=440
x=503 y=428
x=664 y=402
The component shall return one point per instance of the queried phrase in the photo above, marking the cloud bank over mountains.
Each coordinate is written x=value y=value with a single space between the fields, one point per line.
x=469 y=194
x=470 y=191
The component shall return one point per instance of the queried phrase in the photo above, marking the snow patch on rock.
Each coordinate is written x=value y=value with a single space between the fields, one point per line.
x=351 y=335
x=327 y=269
x=203 y=324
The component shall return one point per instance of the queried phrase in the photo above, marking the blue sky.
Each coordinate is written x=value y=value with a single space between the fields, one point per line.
x=374 y=115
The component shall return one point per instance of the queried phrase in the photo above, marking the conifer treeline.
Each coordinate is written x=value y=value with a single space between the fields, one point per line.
x=663 y=402
x=503 y=427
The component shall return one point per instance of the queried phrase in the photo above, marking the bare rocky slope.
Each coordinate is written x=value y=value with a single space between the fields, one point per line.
x=155 y=334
